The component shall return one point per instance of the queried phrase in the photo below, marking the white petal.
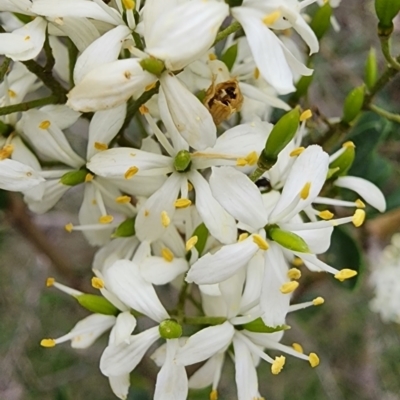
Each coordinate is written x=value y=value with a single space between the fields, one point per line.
x=61 y=114
x=239 y=196
x=307 y=34
x=220 y=224
x=207 y=373
x=120 y=385
x=16 y=176
x=123 y=328
x=318 y=240
x=125 y=280
x=366 y=189
x=159 y=271
x=254 y=281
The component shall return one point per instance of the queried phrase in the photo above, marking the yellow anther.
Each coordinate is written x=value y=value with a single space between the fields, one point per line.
x=358 y=217
x=256 y=73
x=44 y=124
x=123 y=199
x=318 y=301
x=97 y=283
x=167 y=254
x=241 y=162
x=278 y=364
x=271 y=18
x=182 y=203
x=69 y=227
x=11 y=93
x=212 y=57
x=345 y=274
x=149 y=87
x=307 y=114
x=100 y=146
x=326 y=214
x=27 y=37
x=349 y=145
x=143 y=109
x=129 y=4
x=313 y=359
x=243 y=236
x=296 y=152
x=190 y=187
x=127 y=74
x=48 y=342
x=289 y=287
x=130 y=172
x=297 y=262
x=89 y=177
x=252 y=158
x=50 y=282
x=298 y=348
x=6 y=151
x=304 y=193
x=106 y=219
x=360 y=203
x=146 y=213
x=165 y=219
x=294 y=273
x=260 y=242
x=191 y=243
x=213 y=395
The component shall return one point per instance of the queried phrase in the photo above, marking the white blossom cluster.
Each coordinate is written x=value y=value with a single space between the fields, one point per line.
x=180 y=209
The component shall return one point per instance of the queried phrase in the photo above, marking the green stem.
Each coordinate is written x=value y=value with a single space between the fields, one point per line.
x=204 y=320
x=232 y=28
x=4 y=68
x=383 y=113
x=50 y=60
x=385 y=47
x=256 y=174
x=28 y=105
x=180 y=308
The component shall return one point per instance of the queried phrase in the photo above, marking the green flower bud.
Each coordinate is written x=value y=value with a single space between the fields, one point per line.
x=321 y=21
x=182 y=161
x=353 y=104
x=229 y=57
x=371 y=69
x=97 y=304
x=152 y=65
x=287 y=239
x=126 y=228
x=170 y=329
x=74 y=178
x=5 y=129
x=258 y=326
x=282 y=133
x=202 y=235
x=302 y=87
x=386 y=11
x=343 y=163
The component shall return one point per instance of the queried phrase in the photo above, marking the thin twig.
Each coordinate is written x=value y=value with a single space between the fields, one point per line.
x=27 y=105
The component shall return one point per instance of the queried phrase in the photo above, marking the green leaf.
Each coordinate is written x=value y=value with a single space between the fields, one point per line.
x=229 y=57
x=258 y=326
x=202 y=235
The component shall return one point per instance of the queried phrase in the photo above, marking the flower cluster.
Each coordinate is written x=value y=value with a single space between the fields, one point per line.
x=215 y=200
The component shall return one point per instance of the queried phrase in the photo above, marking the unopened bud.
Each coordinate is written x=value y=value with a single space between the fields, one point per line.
x=371 y=69
x=152 y=65
x=287 y=239
x=353 y=104
x=125 y=229
x=343 y=163
x=74 y=178
x=170 y=329
x=386 y=11
x=321 y=21
x=97 y=304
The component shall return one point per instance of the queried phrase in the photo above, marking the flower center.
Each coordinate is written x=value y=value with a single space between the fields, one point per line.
x=182 y=161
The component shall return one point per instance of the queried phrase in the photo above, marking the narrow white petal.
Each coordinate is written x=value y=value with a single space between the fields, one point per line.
x=123 y=328
x=62 y=115
x=160 y=272
x=206 y=374
x=120 y=385
x=16 y=176
x=318 y=240
x=254 y=281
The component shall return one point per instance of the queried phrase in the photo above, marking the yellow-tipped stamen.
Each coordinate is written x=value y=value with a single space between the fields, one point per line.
x=313 y=360
x=360 y=203
x=131 y=172
x=289 y=287
x=212 y=57
x=252 y=158
x=318 y=301
x=27 y=37
x=304 y=193
x=326 y=215
x=256 y=73
x=182 y=203
x=129 y=4
x=241 y=162
x=97 y=283
x=307 y=114
x=297 y=262
x=69 y=227
x=106 y=219
x=147 y=88
x=6 y=151
x=213 y=395
x=243 y=236
x=165 y=219
x=143 y=109
x=100 y=146
x=191 y=243
x=260 y=242
x=11 y=93
x=190 y=186
x=294 y=273
x=44 y=124
x=270 y=19
x=297 y=152
x=345 y=274
x=358 y=217
x=167 y=254
x=47 y=342
x=123 y=199
x=349 y=145
x=89 y=177
x=50 y=282
x=298 y=347
x=278 y=364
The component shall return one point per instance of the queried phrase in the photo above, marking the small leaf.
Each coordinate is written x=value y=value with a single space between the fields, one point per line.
x=202 y=235
x=229 y=57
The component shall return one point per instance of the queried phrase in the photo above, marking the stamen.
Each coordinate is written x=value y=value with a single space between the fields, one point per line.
x=44 y=124
x=100 y=146
x=256 y=73
x=298 y=347
x=165 y=219
x=304 y=193
x=97 y=283
x=345 y=274
x=297 y=262
x=349 y=145
x=252 y=158
x=296 y=152
x=50 y=282
x=278 y=364
x=313 y=359
x=89 y=177
x=167 y=254
x=289 y=287
x=307 y=114
x=213 y=395
x=358 y=218
x=182 y=203
x=143 y=109
x=11 y=93
x=190 y=186
x=48 y=342
x=326 y=215
x=260 y=242
x=69 y=227
x=212 y=57
x=106 y=219
x=123 y=199
x=241 y=162
x=129 y=4
x=360 y=203
x=6 y=151
x=130 y=172
x=270 y=19
x=294 y=273
x=318 y=301
x=191 y=243
x=243 y=236
x=149 y=87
